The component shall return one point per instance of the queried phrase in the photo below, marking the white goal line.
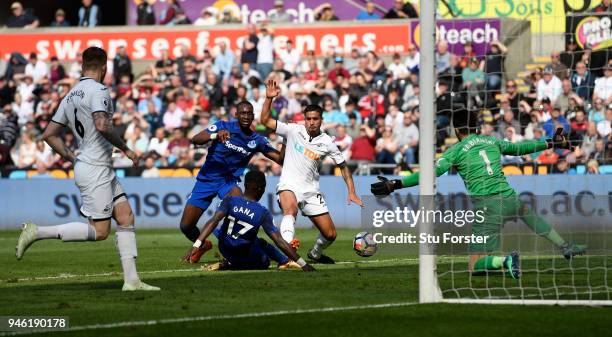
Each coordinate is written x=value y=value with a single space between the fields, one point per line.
x=215 y=317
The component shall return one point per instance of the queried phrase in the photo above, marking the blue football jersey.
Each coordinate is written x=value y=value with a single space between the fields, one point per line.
x=242 y=221
x=229 y=159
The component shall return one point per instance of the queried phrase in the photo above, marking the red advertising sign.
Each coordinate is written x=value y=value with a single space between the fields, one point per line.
x=146 y=44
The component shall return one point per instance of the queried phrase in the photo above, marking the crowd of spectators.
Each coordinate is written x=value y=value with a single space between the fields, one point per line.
x=371 y=104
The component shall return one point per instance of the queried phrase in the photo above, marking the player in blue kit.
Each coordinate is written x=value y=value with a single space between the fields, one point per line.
x=242 y=217
x=233 y=146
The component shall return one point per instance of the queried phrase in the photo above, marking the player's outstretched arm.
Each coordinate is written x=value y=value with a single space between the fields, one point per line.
x=559 y=141
x=284 y=246
x=205 y=137
x=272 y=90
x=51 y=137
x=209 y=227
x=385 y=186
x=350 y=185
x=105 y=127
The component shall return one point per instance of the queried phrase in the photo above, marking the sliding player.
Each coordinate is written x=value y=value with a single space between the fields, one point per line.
x=87 y=111
x=299 y=182
x=233 y=146
x=238 y=242
x=477 y=159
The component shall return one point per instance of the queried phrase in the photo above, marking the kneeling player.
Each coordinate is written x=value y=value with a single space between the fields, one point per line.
x=477 y=160
x=238 y=242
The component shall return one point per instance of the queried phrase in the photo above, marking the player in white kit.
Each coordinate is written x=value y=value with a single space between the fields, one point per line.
x=298 y=187
x=87 y=111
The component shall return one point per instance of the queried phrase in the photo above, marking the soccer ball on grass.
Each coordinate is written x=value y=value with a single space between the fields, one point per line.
x=364 y=244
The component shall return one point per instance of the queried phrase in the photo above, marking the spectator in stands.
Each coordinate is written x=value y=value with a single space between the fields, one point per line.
x=473 y=82
x=582 y=81
x=368 y=13
x=36 y=68
x=172 y=116
x=592 y=167
x=290 y=57
x=206 y=18
x=60 y=19
x=402 y=10
x=224 y=61
x=604 y=128
x=468 y=54
x=145 y=13
x=122 y=65
x=169 y=13
x=363 y=148
x=386 y=147
x=549 y=86
x=494 y=65
x=181 y=17
x=26 y=154
x=150 y=170
x=563 y=100
x=413 y=59
x=279 y=14
x=249 y=46
x=325 y=12
x=89 y=14
x=599 y=152
x=407 y=136
x=338 y=71
x=556 y=121
x=372 y=105
x=376 y=67
x=559 y=69
x=20 y=18
x=229 y=16
x=443 y=57
x=397 y=69
x=508 y=121
x=603 y=86
x=578 y=125
x=265 y=52
x=547 y=157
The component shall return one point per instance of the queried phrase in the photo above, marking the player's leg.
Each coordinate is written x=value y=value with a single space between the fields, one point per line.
x=125 y=240
x=542 y=228
x=494 y=213
x=96 y=205
x=289 y=205
x=272 y=252
x=327 y=235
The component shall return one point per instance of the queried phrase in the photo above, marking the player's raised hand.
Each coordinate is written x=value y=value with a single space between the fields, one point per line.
x=272 y=89
x=385 y=186
x=354 y=198
x=223 y=135
x=133 y=157
x=559 y=140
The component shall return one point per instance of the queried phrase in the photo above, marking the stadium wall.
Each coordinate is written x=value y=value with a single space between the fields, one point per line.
x=158 y=203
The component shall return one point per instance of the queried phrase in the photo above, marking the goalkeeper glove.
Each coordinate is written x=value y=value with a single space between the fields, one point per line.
x=385 y=186
x=559 y=141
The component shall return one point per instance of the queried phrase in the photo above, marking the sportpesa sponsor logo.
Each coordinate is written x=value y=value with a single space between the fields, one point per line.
x=236 y=148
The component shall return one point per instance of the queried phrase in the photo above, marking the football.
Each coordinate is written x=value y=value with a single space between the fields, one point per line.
x=364 y=244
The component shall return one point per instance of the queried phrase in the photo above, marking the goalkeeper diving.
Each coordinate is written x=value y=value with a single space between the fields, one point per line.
x=477 y=160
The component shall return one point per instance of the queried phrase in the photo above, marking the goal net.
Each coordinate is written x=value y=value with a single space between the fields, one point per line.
x=518 y=72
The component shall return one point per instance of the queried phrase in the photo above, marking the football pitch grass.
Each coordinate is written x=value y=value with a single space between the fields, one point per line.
x=371 y=296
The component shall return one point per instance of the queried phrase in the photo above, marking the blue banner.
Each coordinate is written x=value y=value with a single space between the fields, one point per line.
x=159 y=202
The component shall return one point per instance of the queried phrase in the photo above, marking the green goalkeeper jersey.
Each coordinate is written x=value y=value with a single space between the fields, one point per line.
x=478 y=162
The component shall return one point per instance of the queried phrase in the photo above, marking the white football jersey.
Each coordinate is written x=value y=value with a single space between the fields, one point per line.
x=76 y=112
x=303 y=157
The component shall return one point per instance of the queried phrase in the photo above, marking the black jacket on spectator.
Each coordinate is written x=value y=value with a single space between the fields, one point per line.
x=122 y=66
x=250 y=55
x=145 y=14
x=408 y=9
x=21 y=21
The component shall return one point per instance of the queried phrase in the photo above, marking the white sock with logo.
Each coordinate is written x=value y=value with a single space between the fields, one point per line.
x=68 y=232
x=287 y=228
x=125 y=239
x=320 y=244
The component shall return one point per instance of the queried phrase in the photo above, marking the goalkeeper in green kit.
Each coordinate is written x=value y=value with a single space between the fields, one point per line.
x=477 y=160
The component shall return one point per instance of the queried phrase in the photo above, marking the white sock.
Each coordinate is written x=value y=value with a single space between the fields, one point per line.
x=125 y=239
x=68 y=232
x=320 y=244
x=287 y=228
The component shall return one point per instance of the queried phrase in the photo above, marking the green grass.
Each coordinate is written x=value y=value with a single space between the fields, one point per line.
x=84 y=283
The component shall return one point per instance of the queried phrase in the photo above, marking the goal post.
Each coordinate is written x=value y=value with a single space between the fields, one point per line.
x=428 y=286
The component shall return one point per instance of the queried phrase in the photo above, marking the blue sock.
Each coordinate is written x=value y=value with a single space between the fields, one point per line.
x=273 y=253
x=191 y=232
